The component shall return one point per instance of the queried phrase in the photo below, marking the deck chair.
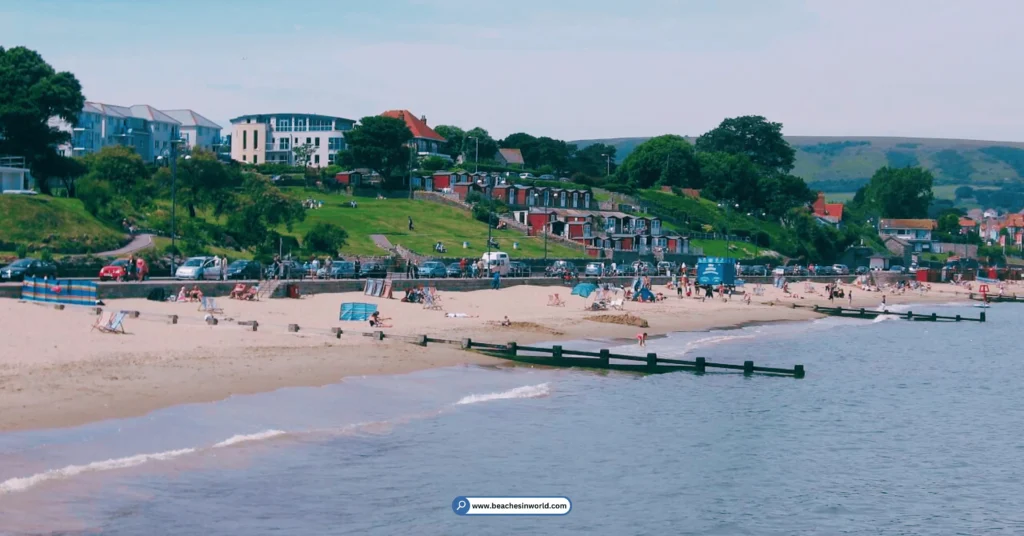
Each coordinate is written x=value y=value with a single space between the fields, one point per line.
x=759 y=290
x=555 y=301
x=116 y=323
x=616 y=304
x=102 y=320
x=209 y=305
x=252 y=293
x=240 y=290
x=434 y=294
x=429 y=302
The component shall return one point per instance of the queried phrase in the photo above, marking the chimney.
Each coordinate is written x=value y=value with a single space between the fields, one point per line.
x=424 y=119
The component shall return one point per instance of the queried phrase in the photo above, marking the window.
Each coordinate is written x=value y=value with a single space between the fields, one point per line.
x=335 y=144
x=300 y=125
x=284 y=125
x=245 y=139
x=321 y=125
x=244 y=158
x=309 y=140
x=255 y=159
x=255 y=139
x=316 y=158
x=318 y=141
x=284 y=144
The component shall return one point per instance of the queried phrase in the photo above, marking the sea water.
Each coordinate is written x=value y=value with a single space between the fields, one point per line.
x=899 y=428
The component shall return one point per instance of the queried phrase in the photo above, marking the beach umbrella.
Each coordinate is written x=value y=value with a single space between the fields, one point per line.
x=584 y=290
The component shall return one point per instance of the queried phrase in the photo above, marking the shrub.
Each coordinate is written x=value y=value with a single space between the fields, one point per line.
x=325 y=238
x=21 y=251
x=46 y=255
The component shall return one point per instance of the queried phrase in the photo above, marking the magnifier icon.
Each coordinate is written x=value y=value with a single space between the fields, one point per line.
x=462 y=505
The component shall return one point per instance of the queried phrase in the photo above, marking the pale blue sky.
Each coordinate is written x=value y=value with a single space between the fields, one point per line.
x=566 y=68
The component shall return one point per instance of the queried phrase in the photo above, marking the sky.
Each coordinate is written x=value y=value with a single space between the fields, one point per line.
x=569 y=69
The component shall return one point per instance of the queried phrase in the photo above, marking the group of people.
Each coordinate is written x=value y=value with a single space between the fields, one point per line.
x=312 y=203
x=136 y=268
x=190 y=295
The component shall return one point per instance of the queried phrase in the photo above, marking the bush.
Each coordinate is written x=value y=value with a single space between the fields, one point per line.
x=21 y=251
x=46 y=255
x=325 y=238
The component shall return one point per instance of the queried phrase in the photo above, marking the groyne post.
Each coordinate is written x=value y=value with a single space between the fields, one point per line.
x=748 y=367
x=652 y=361
x=605 y=356
x=556 y=352
x=467 y=344
x=982 y=317
x=798 y=371
x=513 y=348
x=293 y=328
x=701 y=365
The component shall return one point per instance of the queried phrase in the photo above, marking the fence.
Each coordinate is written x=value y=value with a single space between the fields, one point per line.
x=59 y=291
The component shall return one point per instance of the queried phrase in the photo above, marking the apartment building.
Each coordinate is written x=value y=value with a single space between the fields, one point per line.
x=272 y=138
x=424 y=139
x=146 y=129
x=196 y=130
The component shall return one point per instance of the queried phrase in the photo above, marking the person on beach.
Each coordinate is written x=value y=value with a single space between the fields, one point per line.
x=849 y=297
x=182 y=295
x=883 y=301
x=496 y=280
x=377 y=321
x=506 y=322
x=642 y=339
x=195 y=294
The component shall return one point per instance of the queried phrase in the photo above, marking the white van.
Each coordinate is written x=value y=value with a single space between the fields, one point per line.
x=496 y=261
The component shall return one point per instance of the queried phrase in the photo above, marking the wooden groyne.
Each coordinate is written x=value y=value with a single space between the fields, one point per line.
x=557 y=356
x=989 y=298
x=909 y=315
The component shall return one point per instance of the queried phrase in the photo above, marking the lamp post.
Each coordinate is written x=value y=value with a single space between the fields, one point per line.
x=727 y=205
x=412 y=157
x=608 y=164
x=171 y=157
x=476 y=159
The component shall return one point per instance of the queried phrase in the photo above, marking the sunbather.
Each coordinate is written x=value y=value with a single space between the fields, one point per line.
x=459 y=315
x=238 y=291
x=377 y=321
x=182 y=295
x=195 y=294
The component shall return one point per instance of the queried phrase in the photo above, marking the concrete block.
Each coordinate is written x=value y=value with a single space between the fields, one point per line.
x=337 y=332
x=173 y=318
x=379 y=335
x=212 y=321
x=293 y=328
x=59 y=306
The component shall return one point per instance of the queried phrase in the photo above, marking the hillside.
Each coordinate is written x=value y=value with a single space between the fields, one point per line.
x=58 y=224
x=838 y=163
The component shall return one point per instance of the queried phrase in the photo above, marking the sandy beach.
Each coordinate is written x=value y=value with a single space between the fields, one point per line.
x=57 y=371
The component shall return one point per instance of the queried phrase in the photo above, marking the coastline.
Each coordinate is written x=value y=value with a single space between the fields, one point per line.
x=60 y=373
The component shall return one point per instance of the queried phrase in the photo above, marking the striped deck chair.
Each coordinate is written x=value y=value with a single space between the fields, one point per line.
x=429 y=302
x=102 y=320
x=209 y=305
x=116 y=323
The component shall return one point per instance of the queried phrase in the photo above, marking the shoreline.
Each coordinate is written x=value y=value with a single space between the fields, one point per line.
x=81 y=375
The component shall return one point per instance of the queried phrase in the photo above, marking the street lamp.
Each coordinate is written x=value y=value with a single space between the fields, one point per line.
x=171 y=157
x=476 y=159
x=727 y=205
x=608 y=164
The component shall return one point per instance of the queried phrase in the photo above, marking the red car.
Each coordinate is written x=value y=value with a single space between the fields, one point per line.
x=116 y=271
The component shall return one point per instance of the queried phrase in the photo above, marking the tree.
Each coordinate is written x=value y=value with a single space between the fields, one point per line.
x=591 y=160
x=325 y=239
x=433 y=163
x=303 y=154
x=123 y=169
x=731 y=177
x=201 y=180
x=379 y=143
x=949 y=223
x=32 y=92
x=258 y=208
x=900 y=193
x=780 y=193
x=755 y=137
x=542 y=151
x=668 y=160
x=65 y=169
x=488 y=147
x=964 y=192
x=455 y=139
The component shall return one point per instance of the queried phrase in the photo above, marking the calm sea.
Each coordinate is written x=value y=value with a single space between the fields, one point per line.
x=898 y=428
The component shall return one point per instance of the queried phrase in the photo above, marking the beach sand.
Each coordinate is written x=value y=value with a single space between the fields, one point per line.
x=56 y=371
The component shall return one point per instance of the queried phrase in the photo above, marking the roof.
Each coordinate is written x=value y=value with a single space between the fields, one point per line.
x=418 y=126
x=140 y=111
x=150 y=113
x=1014 y=220
x=967 y=222
x=296 y=114
x=907 y=224
x=512 y=156
x=831 y=210
x=189 y=118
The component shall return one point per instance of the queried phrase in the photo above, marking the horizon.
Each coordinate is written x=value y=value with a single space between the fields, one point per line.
x=574 y=71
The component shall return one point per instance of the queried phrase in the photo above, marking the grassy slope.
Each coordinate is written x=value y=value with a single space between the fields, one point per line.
x=43 y=221
x=433 y=222
x=859 y=162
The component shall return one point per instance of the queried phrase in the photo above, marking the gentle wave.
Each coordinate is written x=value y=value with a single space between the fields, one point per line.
x=709 y=341
x=242 y=438
x=526 y=391
x=23 y=483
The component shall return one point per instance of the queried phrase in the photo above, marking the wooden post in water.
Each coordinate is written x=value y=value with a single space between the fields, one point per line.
x=467 y=344
x=934 y=317
x=910 y=315
x=957 y=318
x=701 y=365
x=982 y=317
x=861 y=311
x=652 y=361
x=513 y=348
x=556 y=352
x=605 y=354
x=748 y=367
x=798 y=371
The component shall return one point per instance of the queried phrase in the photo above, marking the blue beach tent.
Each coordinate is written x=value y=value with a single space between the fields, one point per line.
x=357 y=311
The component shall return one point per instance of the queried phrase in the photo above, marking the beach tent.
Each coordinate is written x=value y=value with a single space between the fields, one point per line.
x=644 y=293
x=357 y=311
x=584 y=290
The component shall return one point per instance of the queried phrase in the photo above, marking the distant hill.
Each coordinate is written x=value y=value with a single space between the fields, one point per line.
x=839 y=163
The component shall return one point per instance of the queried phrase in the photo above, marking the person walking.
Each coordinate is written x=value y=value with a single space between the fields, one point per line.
x=496 y=280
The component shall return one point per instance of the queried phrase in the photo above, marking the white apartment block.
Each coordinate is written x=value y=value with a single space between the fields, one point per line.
x=272 y=138
x=148 y=130
x=196 y=130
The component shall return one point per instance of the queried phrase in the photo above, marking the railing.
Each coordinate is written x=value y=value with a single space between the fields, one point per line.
x=12 y=161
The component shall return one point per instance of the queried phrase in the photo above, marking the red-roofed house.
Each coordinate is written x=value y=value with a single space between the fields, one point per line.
x=831 y=213
x=426 y=141
x=510 y=157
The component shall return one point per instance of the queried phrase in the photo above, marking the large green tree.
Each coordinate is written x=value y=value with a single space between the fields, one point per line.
x=325 y=239
x=780 y=193
x=123 y=169
x=32 y=92
x=202 y=180
x=900 y=193
x=488 y=147
x=597 y=160
x=666 y=160
x=379 y=143
x=541 y=152
x=455 y=140
x=755 y=137
x=730 y=177
x=259 y=207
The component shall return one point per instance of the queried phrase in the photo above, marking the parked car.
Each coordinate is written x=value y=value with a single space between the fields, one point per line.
x=841 y=269
x=861 y=270
x=825 y=270
x=244 y=269
x=897 y=268
x=292 y=270
x=433 y=270
x=343 y=270
x=594 y=269
x=373 y=270
x=526 y=176
x=912 y=269
x=641 y=268
x=547 y=177
x=454 y=270
x=198 y=268
x=115 y=271
x=22 y=268
x=758 y=270
x=666 y=268
x=519 y=269
x=559 y=268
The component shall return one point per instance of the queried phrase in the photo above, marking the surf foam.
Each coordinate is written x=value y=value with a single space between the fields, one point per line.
x=12 y=485
x=526 y=391
x=242 y=438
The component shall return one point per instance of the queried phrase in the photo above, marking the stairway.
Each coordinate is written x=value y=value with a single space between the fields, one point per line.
x=267 y=288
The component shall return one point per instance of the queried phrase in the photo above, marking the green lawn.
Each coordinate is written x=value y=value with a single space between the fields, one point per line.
x=60 y=224
x=717 y=248
x=433 y=222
